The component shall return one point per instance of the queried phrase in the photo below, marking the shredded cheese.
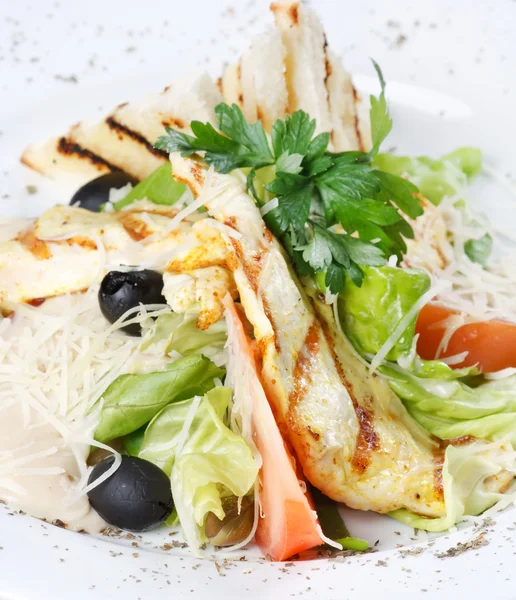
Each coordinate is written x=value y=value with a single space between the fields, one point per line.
x=56 y=360
x=482 y=294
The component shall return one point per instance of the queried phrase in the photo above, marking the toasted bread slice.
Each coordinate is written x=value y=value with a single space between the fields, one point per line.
x=59 y=156
x=257 y=83
x=306 y=60
x=316 y=81
x=125 y=138
x=286 y=69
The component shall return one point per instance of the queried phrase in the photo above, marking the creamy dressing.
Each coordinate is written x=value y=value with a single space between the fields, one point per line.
x=55 y=362
x=35 y=449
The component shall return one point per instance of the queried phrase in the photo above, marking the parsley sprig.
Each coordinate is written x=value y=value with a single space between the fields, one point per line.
x=334 y=211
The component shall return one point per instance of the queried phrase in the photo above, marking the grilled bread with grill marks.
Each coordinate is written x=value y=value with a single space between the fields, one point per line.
x=286 y=69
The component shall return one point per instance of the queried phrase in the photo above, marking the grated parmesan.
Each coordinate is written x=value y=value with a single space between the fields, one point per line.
x=56 y=360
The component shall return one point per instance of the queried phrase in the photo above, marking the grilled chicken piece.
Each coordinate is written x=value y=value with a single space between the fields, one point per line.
x=67 y=248
x=351 y=433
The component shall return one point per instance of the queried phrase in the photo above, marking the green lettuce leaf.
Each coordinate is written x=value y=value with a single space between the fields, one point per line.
x=159 y=187
x=450 y=409
x=190 y=441
x=133 y=400
x=178 y=332
x=369 y=314
x=435 y=178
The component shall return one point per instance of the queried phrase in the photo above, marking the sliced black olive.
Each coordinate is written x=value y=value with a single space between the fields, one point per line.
x=136 y=497
x=120 y=291
x=95 y=193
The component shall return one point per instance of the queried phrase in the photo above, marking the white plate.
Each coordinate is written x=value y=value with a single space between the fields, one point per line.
x=450 y=71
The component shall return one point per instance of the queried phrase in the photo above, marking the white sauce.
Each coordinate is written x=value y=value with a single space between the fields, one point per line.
x=55 y=362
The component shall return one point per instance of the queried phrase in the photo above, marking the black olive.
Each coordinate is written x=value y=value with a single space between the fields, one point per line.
x=120 y=291
x=136 y=497
x=95 y=193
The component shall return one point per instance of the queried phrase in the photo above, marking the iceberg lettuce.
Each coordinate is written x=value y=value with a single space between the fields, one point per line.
x=178 y=332
x=206 y=461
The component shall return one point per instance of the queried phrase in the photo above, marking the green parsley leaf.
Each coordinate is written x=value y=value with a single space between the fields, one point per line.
x=381 y=123
x=292 y=210
x=345 y=184
x=479 y=250
x=335 y=277
x=317 y=147
x=293 y=135
x=331 y=207
x=289 y=163
x=251 y=136
x=401 y=192
x=243 y=145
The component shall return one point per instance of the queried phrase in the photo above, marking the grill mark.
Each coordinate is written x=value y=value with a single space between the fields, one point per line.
x=239 y=81
x=35 y=246
x=328 y=71
x=218 y=83
x=438 y=457
x=169 y=121
x=137 y=230
x=361 y=146
x=293 y=13
x=69 y=148
x=82 y=241
x=36 y=302
x=367 y=440
x=137 y=137
x=302 y=373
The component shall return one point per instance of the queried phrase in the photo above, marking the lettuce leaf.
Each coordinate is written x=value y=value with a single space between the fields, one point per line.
x=159 y=187
x=191 y=442
x=465 y=471
x=451 y=409
x=370 y=313
x=435 y=178
x=178 y=332
x=133 y=400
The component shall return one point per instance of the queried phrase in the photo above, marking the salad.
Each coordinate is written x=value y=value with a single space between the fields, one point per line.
x=255 y=315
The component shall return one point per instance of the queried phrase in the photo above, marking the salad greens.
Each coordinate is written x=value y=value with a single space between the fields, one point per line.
x=479 y=250
x=191 y=441
x=451 y=409
x=435 y=178
x=133 y=400
x=370 y=314
x=332 y=523
x=159 y=187
x=441 y=399
x=178 y=332
x=323 y=198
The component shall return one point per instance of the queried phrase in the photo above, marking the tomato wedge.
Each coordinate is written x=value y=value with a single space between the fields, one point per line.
x=490 y=344
x=288 y=522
